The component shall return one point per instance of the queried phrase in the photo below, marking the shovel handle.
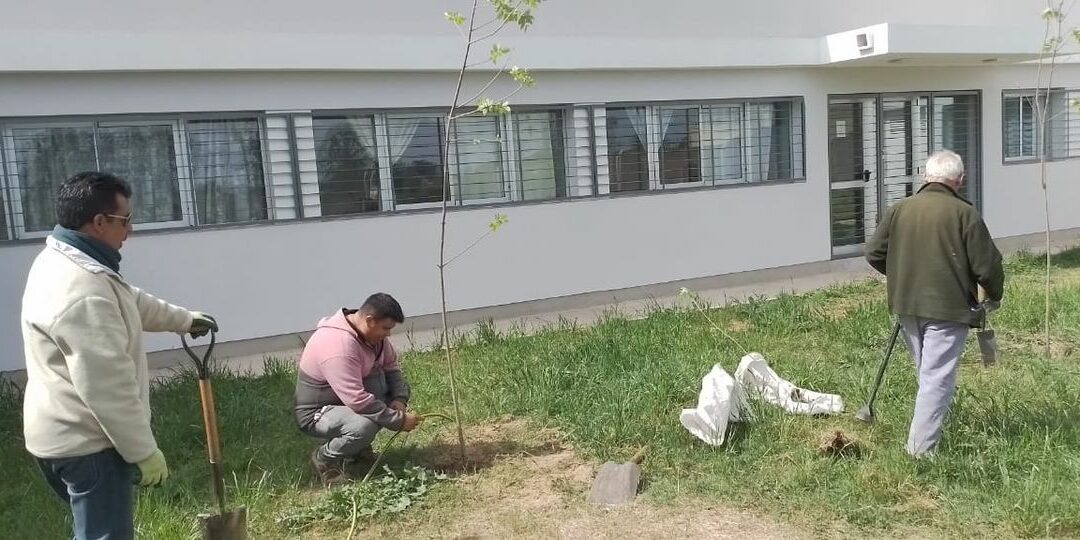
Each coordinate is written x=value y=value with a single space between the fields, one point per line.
x=213 y=443
x=884 y=363
x=981 y=293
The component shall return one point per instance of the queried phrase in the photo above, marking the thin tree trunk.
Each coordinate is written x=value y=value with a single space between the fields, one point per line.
x=442 y=233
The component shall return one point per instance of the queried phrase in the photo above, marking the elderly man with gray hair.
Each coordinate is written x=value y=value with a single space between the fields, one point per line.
x=935 y=252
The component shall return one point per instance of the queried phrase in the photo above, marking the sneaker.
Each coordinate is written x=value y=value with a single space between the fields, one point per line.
x=329 y=472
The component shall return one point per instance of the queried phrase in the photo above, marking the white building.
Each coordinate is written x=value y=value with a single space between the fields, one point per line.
x=286 y=156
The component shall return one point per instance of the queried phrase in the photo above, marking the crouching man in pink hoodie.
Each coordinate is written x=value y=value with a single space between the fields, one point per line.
x=349 y=386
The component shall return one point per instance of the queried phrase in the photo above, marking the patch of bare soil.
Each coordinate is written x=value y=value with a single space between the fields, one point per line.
x=838 y=309
x=524 y=482
x=739 y=326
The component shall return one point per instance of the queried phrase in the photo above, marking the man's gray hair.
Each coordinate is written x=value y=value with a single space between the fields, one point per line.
x=944 y=166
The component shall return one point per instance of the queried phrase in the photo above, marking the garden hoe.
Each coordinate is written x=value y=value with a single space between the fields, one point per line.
x=866 y=414
x=617 y=484
x=226 y=525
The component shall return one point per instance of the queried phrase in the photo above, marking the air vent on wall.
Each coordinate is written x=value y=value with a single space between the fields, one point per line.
x=865 y=41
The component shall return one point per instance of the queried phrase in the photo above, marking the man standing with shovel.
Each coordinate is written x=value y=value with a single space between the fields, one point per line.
x=936 y=251
x=86 y=413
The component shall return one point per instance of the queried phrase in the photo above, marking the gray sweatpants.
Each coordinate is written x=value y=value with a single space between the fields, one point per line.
x=936 y=347
x=348 y=432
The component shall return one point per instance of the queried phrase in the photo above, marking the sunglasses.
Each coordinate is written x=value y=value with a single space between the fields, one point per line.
x=123 y=219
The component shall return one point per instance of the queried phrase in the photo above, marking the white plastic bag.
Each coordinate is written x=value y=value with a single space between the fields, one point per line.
x=755 y=379
x=716 y=406
x=725 y=399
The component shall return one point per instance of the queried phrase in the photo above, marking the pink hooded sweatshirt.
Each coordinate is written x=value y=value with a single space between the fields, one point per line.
x=339 y=367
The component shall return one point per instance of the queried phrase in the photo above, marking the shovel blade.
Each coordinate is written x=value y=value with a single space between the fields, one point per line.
x=865 y=414
x=987 y=347
x=231 y=525
x=615 y=484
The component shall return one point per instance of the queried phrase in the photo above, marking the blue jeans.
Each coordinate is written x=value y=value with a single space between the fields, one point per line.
x=100 y=488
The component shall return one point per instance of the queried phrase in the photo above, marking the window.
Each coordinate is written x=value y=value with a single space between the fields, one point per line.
x=778 y=152
x=680 y=145
x=4 y=235
x=1021 y=134
x=628 y=161
x=724 y=158
x=541 y=149
x=44 y=156
x=1064 y=125
x=707 y=144
x=347 y=164
x=477 y=147
x=476 y=160
x=144 y=155
x=416 y=158
x=227 y=170
x=239 y=168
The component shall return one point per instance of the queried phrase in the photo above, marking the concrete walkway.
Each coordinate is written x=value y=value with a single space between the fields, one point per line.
x=838 y=272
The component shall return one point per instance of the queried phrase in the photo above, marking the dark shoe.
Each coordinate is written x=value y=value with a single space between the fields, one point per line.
x=358 y=466
x=328 y=471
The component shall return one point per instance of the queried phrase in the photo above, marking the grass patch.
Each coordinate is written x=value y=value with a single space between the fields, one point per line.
x=1008 y=465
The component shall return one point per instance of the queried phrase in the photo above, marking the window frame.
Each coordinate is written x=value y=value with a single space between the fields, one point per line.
x=513 y=155
x=652 y=114
x=14 y=181
x=1038 y=146
x=1046 y=147
x=386 y=117
x=502 y=131
x=656 y=122
x=264 y=159
x=178 y=122
x=381 y=158
x=508 y=151
x=183 y=173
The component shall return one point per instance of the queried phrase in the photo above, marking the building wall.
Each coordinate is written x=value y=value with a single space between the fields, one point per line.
x=263 y=280
x=373 y=34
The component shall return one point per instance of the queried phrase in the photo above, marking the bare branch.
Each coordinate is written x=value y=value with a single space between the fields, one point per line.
x=472 y=245
x=488 y=23
x=491 y=34
x=514 y=93
x=472 y=112
x=480 y=94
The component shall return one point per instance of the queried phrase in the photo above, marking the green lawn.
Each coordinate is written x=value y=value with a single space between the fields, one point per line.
x=1008 y=466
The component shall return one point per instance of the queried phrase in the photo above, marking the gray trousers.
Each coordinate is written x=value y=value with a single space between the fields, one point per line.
x=349 y=433
x=936 y=347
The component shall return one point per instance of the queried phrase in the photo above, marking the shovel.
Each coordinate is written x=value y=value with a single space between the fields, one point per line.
x=866 y=414
x=226 y=525
x=617 y=484
x=987 y=340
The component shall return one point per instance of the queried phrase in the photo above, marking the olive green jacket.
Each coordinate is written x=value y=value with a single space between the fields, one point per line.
x=934 y=250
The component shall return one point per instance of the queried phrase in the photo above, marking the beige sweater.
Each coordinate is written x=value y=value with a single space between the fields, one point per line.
x=87 y=384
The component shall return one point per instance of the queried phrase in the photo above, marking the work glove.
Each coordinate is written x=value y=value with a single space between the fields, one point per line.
x=201 y=323
x=153 y=470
